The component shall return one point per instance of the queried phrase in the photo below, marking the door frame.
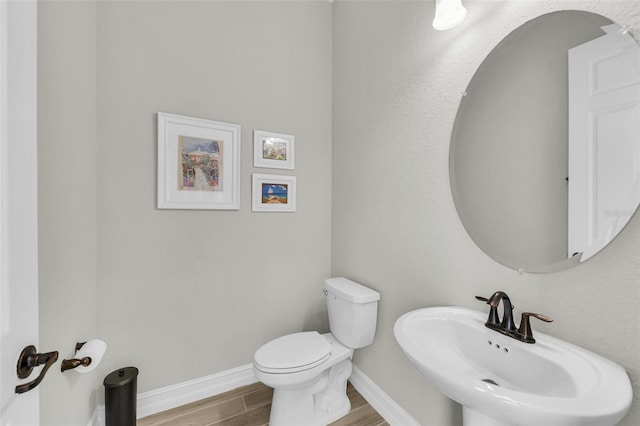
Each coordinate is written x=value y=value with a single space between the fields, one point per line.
x=19 y=207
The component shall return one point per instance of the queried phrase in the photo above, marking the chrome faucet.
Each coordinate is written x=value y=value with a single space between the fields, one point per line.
x=507 y=325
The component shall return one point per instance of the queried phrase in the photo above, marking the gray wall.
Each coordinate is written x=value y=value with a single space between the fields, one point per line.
x=214 y=283
x=397 y=87
x=172 y=283
x=67 y=194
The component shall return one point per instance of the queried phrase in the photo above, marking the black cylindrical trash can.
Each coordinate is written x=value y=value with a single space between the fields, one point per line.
x=120 y=392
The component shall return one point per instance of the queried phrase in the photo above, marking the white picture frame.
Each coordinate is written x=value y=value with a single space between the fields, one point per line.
x=273 y=150
x=273 y=193
x=198 y=163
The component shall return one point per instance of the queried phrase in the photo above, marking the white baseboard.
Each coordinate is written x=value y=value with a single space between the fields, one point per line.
x=169 y=397
x=380 y=401
x=97 y=418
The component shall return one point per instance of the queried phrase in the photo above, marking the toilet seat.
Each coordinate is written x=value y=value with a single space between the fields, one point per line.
x=293 y=353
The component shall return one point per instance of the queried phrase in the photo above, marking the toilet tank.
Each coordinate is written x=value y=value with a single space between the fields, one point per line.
x=353 y=311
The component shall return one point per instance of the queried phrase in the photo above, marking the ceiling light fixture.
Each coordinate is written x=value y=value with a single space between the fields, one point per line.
x=449 y=13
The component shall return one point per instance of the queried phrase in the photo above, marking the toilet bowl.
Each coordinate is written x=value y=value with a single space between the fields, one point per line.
x=309 y=379
x=309 y=371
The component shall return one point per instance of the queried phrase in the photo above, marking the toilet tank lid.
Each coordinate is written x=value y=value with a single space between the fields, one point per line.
x=351 y=291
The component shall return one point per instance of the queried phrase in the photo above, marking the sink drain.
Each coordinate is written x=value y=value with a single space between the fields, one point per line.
x=490 y=381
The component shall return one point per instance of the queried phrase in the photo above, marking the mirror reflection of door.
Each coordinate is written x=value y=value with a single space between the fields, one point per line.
x=509 y=152
x=604 y=124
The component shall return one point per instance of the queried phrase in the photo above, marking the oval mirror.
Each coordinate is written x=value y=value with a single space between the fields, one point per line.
x=545 y=150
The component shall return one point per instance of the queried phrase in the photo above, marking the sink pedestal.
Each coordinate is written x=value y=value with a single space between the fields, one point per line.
x=471 y=417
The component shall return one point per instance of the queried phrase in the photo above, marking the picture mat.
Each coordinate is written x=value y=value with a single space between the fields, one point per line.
x=170 y=128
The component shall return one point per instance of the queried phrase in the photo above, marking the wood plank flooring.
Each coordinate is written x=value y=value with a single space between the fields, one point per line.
x=250 y=406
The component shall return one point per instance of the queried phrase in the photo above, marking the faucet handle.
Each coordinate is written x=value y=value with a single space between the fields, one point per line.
x=525 y=326
x=493 y=312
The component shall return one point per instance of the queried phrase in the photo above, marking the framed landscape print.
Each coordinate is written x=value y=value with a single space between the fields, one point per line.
x=198 y=163
x=274 y=193
x=273 y=150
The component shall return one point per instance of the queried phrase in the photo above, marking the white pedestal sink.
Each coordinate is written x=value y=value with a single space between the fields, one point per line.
x=501 y=381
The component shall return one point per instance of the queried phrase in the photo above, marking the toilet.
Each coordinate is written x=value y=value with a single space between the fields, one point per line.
x=308 y=371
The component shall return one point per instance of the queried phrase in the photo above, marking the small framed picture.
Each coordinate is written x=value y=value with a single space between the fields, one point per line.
x=198 y=163
x=274 y=193
x=272 y=150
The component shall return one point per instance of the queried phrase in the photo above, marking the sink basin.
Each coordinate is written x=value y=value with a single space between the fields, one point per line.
x=502 y=381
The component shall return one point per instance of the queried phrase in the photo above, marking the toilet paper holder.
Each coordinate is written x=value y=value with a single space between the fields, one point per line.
x=70 y=364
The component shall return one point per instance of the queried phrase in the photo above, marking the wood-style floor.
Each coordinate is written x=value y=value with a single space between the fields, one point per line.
x=250 y=406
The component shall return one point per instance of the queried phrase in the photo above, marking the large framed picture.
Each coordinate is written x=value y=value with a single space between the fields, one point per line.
x=274 y=193
x=198 y=163
x=273 y=150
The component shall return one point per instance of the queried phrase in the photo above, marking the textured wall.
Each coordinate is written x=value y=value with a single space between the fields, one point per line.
x=397 y=86
x=67 y=194
x=185 y=294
